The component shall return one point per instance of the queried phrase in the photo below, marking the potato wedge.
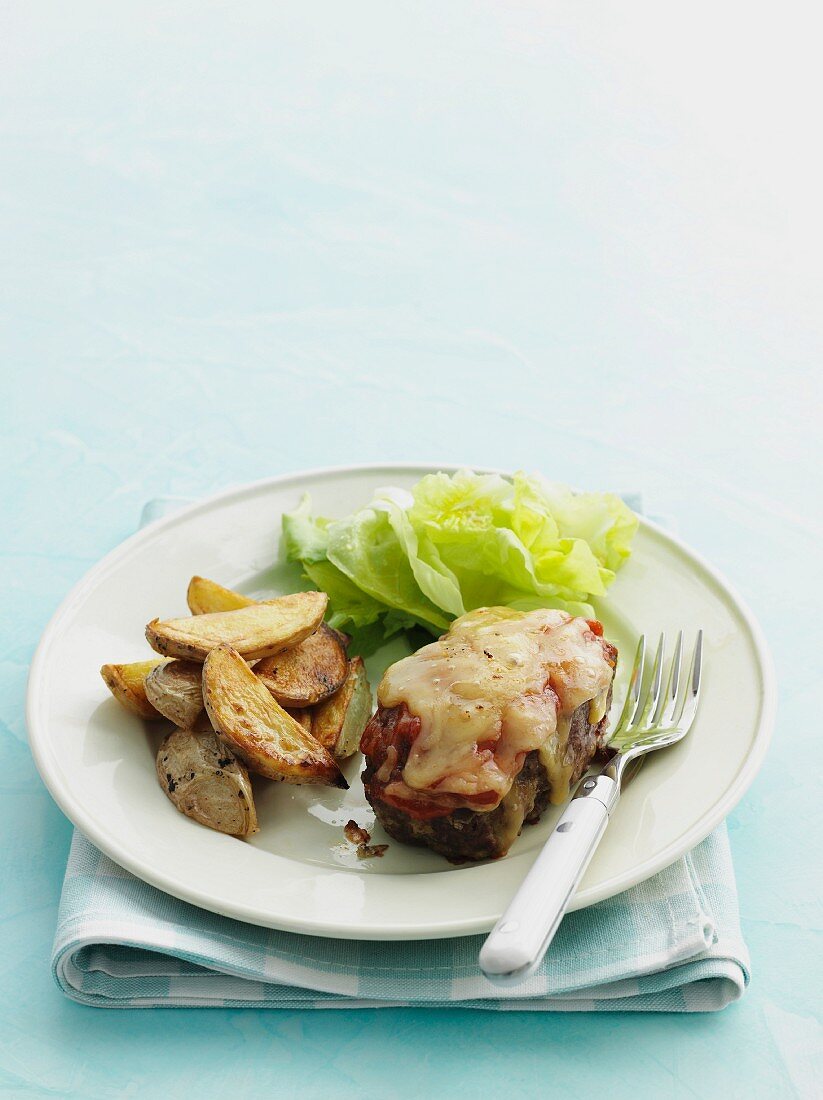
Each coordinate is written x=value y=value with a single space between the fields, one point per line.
x=300 y=715
x=175 y=688
x=205 y=597
x=338 y=722
x=127 y=685
x=307 y=673
x=260 y=630
x=206 y=781
x=257 y=728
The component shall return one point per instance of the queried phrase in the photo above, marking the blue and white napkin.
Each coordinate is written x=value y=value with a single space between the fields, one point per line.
x=671 y=944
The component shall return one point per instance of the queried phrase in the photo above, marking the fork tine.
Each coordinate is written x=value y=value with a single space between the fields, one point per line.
x=641 y=730
x=673 y=686
x=646 y=716
x=634 y=688
x=692 y=693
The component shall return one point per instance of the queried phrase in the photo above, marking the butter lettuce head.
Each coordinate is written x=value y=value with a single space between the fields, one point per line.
x=457 y=542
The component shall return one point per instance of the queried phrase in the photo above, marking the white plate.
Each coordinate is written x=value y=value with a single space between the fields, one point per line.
x=299 y=873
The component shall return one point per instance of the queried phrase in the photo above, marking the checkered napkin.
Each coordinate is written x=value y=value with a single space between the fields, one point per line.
x=671 y=944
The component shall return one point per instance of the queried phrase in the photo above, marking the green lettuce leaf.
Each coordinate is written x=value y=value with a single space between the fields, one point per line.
x=365 y=547
x=457 y=542
x=435 y=580
x=305 y=538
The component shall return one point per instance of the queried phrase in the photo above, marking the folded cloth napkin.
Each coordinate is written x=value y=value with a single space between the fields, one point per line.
x=671 y=944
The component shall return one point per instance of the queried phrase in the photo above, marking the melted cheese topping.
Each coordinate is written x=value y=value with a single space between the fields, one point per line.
x=500 y=684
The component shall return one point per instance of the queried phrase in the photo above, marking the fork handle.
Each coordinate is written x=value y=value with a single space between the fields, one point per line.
x=516 y=945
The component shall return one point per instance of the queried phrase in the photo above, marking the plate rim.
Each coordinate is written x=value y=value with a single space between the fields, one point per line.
x=76 y=814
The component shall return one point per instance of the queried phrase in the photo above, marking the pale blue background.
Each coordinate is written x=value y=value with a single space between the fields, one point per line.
x=247 y=238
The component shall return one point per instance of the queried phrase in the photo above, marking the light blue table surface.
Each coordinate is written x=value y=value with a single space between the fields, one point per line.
x=239 y=240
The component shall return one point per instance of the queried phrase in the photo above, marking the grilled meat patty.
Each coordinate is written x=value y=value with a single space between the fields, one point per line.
x=464 y=834
x=477 y=732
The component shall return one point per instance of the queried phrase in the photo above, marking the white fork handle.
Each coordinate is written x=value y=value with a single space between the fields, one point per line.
x=517 y=943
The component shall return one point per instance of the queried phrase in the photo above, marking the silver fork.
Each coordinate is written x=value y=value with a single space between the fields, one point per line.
x=650 y=720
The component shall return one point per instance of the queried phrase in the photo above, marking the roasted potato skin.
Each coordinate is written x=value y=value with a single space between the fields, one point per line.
x=204 y=597
x=306 y=673
x=127 y=683
x=258 y=729
x=342 y=638
x=204 y=779
x=339 y=721
x=259 y=630
x=175 y=689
